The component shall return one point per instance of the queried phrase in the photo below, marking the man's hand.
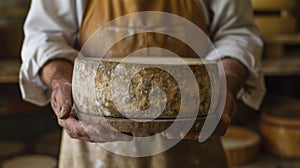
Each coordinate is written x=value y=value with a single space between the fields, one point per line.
x=57 y=75
x=236 y=74
x=229 y=111
x=61 y=98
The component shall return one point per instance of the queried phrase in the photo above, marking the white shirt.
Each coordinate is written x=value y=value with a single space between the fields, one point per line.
x=52 y=29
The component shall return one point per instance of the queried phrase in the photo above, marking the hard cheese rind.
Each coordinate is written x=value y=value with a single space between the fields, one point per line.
x=144 y=88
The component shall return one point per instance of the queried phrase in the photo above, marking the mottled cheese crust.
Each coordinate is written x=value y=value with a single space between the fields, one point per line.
x=98 y=85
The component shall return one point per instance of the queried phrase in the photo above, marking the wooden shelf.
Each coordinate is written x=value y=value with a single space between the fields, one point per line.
x=16 y=11
x=282 y=66
x=277 y=45
x=268 y=161
x=9 y=70
x=292 y=39
x=273 y=5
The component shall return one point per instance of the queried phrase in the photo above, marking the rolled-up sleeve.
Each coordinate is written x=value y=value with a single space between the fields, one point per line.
x=51 y=30
x=235 y=35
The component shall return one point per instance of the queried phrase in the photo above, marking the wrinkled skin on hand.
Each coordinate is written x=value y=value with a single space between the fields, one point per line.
x=57 y=75
x=62 y=104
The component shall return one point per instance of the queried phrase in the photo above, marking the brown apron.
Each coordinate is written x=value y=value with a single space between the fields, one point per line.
x=79 y=154
x=98 y=13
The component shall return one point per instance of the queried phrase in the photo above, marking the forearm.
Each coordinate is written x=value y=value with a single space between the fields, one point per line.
x=236 y=75
x=55 y=71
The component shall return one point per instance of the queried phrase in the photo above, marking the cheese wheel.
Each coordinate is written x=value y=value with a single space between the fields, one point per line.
x=241 y=145
x=99 y=84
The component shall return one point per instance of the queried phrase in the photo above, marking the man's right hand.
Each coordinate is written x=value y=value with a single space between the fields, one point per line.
x=57 y=74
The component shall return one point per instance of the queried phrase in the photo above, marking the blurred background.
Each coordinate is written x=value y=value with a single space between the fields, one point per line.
x=28 y=130
x=25 y=129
